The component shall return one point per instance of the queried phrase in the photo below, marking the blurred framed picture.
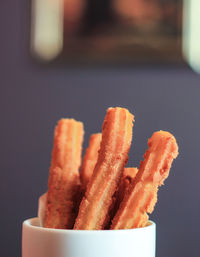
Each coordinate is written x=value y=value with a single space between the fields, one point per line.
x=107 y=31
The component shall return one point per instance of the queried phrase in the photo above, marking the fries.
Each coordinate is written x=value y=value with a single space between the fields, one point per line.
x=105 y=195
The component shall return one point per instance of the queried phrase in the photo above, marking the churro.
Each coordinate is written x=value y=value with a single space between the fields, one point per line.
x=126 y=181
x=64 y=174
x=124 y=185
x=90 y=159
x=130 y=172
x=113 y=155
x=142 y=195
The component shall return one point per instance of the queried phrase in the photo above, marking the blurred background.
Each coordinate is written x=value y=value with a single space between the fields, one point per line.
x=38 y=89
x=111 y=31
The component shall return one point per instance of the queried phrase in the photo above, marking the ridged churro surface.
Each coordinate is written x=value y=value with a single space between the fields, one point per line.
x=126 y=181
x=90 y=159
x=64 y=174
x=142 y=195
x=113 y=155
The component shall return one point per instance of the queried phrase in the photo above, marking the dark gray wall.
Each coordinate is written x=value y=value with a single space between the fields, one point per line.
x=33 y=98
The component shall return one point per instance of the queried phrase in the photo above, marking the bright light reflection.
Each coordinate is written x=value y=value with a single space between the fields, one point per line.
x=47 y=28
x=191 y=33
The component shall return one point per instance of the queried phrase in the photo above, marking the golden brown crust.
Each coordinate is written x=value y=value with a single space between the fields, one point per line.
x=113 y=155
x=142 y=196
x=130 y=172
x=64 y=175
x=126 y=181
x=90 y=159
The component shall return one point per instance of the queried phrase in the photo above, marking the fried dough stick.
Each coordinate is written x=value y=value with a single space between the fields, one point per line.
x=130 y=172
x=142 y=196
x=64 y=175
x=125 y=182
x=90 y=159
x=113 y=155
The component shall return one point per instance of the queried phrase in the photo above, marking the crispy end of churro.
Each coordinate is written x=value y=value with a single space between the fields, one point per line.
x=90 y=159
x=64 y=174
x=113 y=155
x=130 y=172
x=142 y=195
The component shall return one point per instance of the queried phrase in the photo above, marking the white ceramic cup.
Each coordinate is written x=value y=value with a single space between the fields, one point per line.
x=45 y=242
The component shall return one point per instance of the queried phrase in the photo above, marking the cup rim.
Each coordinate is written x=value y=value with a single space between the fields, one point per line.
x=29 y=224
